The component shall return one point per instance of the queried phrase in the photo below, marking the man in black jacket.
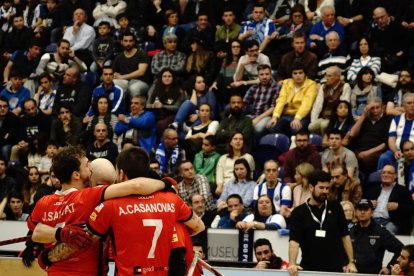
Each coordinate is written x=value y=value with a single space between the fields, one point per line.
x=370 y=240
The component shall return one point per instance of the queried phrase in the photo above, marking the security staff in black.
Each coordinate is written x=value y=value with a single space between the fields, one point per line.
x=319 y=228
x=370 y=240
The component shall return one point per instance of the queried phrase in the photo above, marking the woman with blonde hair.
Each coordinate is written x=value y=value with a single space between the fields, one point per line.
x=349 y=212
x=301 y=191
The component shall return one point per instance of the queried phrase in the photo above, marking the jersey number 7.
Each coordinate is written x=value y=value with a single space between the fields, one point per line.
x=158 y=228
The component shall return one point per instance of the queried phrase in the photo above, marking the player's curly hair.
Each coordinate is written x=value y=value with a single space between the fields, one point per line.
x=66 y=161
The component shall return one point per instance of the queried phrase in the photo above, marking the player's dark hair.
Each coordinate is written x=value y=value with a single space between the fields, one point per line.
x=134 y=162
x=66 y=161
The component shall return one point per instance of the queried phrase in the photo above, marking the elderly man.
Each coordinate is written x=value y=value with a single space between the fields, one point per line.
x=170 y=57
x=80 y=35
x=260 y=28
x=74 y=92
x=370 y=241
x=343 y=187
x=401 y=129
x=139 y=125
x=392 y=203
x=316 y=40
x=370 y=132
x=334 y=56
x=329 y=94
x=275 y=189
x=387 y=36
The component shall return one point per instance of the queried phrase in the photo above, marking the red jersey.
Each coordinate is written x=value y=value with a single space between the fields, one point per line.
x=141 y=228
x=70 y=207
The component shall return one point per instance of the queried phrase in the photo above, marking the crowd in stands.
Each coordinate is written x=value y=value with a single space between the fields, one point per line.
x=199 y=84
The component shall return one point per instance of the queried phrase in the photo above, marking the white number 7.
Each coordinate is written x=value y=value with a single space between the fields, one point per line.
x=158 y=228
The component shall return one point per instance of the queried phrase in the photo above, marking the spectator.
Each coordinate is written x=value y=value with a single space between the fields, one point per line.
x=405 y=84
x=193 y=183
x=108 y=11
x=300 y=191
x=56 y=63
x=24 y=63
x=370 y=133
x=234 y=121
x=337 y=155
x=73 y=92
x=46 y=161
x=329 y=94
x=194 y=138
x=349 y=212
x=18 y=37
x=234 y=213
x=315 y=11
x=10 y=131
x=6 y=13
x=170 y=58
x=246 y=71
x=205 y=161
x=109 y=89
x=334 y=56
x=225 y=165
x=103 y=47
x=7 y=183
x=265 y=256
x=198 y=205
x=264 y=217
x=31 y=185
x=67 y=128
x=130 y=67
x=169 y=153
x=15 y=93
x=165 y=98
x=343 y=187
x=278 y=191
x=294 y=103
x=260 y=100
x=139 y=125
x=260 y=28
x=15 y=207
x=241 y=185
x=317 y=40
x=229 y=31
x=392 y=212
x=80 y=35
x=124 y=26
x=171 y=27
x=404 y=262
x=52 y=22
x=45 y=95
x=201 y=30
x=365 y=60
x=365 y=89
x=102 y=147
x=199 y=94
x=341 y=120
x=405 y=168
x=370 y=241
x=400 y=130
x=304 y=152
x=384 y=34
x=298 y=54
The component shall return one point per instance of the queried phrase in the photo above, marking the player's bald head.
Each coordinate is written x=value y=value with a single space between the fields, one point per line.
x=103 y=172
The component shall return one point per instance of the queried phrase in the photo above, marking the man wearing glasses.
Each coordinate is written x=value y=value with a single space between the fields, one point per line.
x=169 y=153
x=392 y=203
x=275 y=189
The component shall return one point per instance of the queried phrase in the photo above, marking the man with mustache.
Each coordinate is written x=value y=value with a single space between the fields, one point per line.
x=319 y=228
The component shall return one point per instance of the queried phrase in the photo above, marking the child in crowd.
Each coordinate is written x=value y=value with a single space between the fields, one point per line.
x=45 y=96
x=103 y=47
x=46 y=161
x=6 y=12
x=15 y=93
x=205 y=161
x=123 y=22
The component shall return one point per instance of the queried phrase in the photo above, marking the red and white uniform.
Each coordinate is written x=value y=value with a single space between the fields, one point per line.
x=141 y=228
x=70 y=207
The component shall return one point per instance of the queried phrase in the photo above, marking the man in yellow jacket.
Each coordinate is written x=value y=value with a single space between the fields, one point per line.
x=294 y=103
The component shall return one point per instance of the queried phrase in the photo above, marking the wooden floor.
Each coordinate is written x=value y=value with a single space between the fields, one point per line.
x=15 y=267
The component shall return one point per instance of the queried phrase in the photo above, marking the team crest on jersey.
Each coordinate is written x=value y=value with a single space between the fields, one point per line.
x=372 y=241
x=93 y=216
x=99 y=207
